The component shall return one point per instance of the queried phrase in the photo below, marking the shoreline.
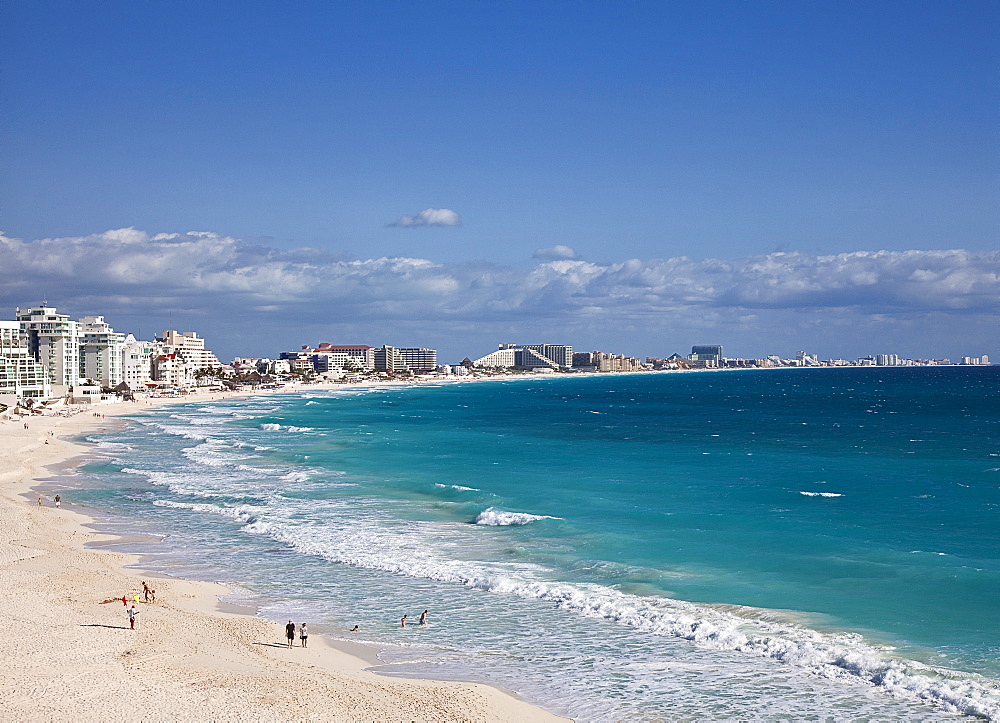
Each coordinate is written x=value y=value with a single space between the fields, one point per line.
x=74 y=658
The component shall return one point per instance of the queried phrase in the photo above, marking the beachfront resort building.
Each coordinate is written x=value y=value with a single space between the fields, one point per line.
x=177 y=357
x=137 y=363
x=710 y=354
x=100 y=349
x=330 y=357
x=53 y=340
x=402 y=359
x=601 y=361
x=388 y=359
x=530 y=356
x=190 y=349
x=419 y=359
x=21 y=377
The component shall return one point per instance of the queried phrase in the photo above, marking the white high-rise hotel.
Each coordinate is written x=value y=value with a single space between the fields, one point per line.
x=100 y=351
x=54 y=341
x=20 y=375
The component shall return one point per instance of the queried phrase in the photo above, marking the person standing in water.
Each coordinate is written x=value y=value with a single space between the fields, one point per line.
x=402 y=622
x=423 y=618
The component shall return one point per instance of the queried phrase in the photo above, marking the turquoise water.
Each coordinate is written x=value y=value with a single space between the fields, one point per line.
x=731 y=544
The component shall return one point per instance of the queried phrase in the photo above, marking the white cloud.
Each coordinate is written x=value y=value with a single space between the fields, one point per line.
x=559 y=251
x=430 y=217
x=240 y=286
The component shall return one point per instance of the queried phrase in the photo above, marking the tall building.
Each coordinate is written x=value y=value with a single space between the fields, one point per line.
x=326 y=361
x=503 y=358
x=177 y=357
x=388 y=359
x=100 y=349
x=169 y=370
x=137 y=362
x=537 y=356
x=617 y=362
x=419 y=359
x=361 y=355
x=21 y=376
x=560 y=354
x=189 y=348
x=707 y=353
x=54 y=342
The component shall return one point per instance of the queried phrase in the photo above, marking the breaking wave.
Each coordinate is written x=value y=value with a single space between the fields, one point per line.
x=498 y=518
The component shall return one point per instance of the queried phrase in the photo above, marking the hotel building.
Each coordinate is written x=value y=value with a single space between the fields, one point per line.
x=100 y=349
x=419 y=359
x=532 y=356
x=54 y=342
x=20 y=375
x=137 y=362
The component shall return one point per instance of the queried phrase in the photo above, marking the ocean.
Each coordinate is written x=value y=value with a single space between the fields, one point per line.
x=804 y=543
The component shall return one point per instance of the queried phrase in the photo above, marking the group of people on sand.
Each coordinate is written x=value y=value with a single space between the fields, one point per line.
x=149 y=596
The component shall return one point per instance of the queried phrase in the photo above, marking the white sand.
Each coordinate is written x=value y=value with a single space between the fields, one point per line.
x=68 y=657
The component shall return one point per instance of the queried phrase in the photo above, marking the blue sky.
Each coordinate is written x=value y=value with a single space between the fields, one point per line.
x=306 y=135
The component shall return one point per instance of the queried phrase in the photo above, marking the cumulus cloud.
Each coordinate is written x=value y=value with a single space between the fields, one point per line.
x=130 y=272
x=559 y=251
x=430 y=217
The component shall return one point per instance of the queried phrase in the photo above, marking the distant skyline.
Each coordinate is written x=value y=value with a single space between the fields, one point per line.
x=636 y=177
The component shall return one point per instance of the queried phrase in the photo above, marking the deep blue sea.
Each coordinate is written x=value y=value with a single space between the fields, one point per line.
x=748 y=544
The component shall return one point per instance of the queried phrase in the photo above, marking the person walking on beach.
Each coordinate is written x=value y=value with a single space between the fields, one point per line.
x=58 y=501
x=133 y=617
x=303 y=634
x=423 y=618
x=290 y=633
x=39 y=501
x=145 y=591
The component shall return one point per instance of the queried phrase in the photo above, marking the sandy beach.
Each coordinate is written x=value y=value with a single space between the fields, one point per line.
x=71 y=656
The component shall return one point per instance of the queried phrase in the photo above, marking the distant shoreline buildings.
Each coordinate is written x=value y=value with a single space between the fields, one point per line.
x=46 y=356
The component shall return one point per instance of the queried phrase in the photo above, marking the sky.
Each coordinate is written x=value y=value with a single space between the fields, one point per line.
x=633 y=177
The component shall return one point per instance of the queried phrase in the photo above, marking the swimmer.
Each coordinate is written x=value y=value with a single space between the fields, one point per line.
x=402 y=622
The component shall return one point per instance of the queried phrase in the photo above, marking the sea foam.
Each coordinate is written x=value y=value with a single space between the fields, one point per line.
x=367 y=544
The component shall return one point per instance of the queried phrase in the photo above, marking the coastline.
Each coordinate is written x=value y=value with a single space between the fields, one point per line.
x=73 y=658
